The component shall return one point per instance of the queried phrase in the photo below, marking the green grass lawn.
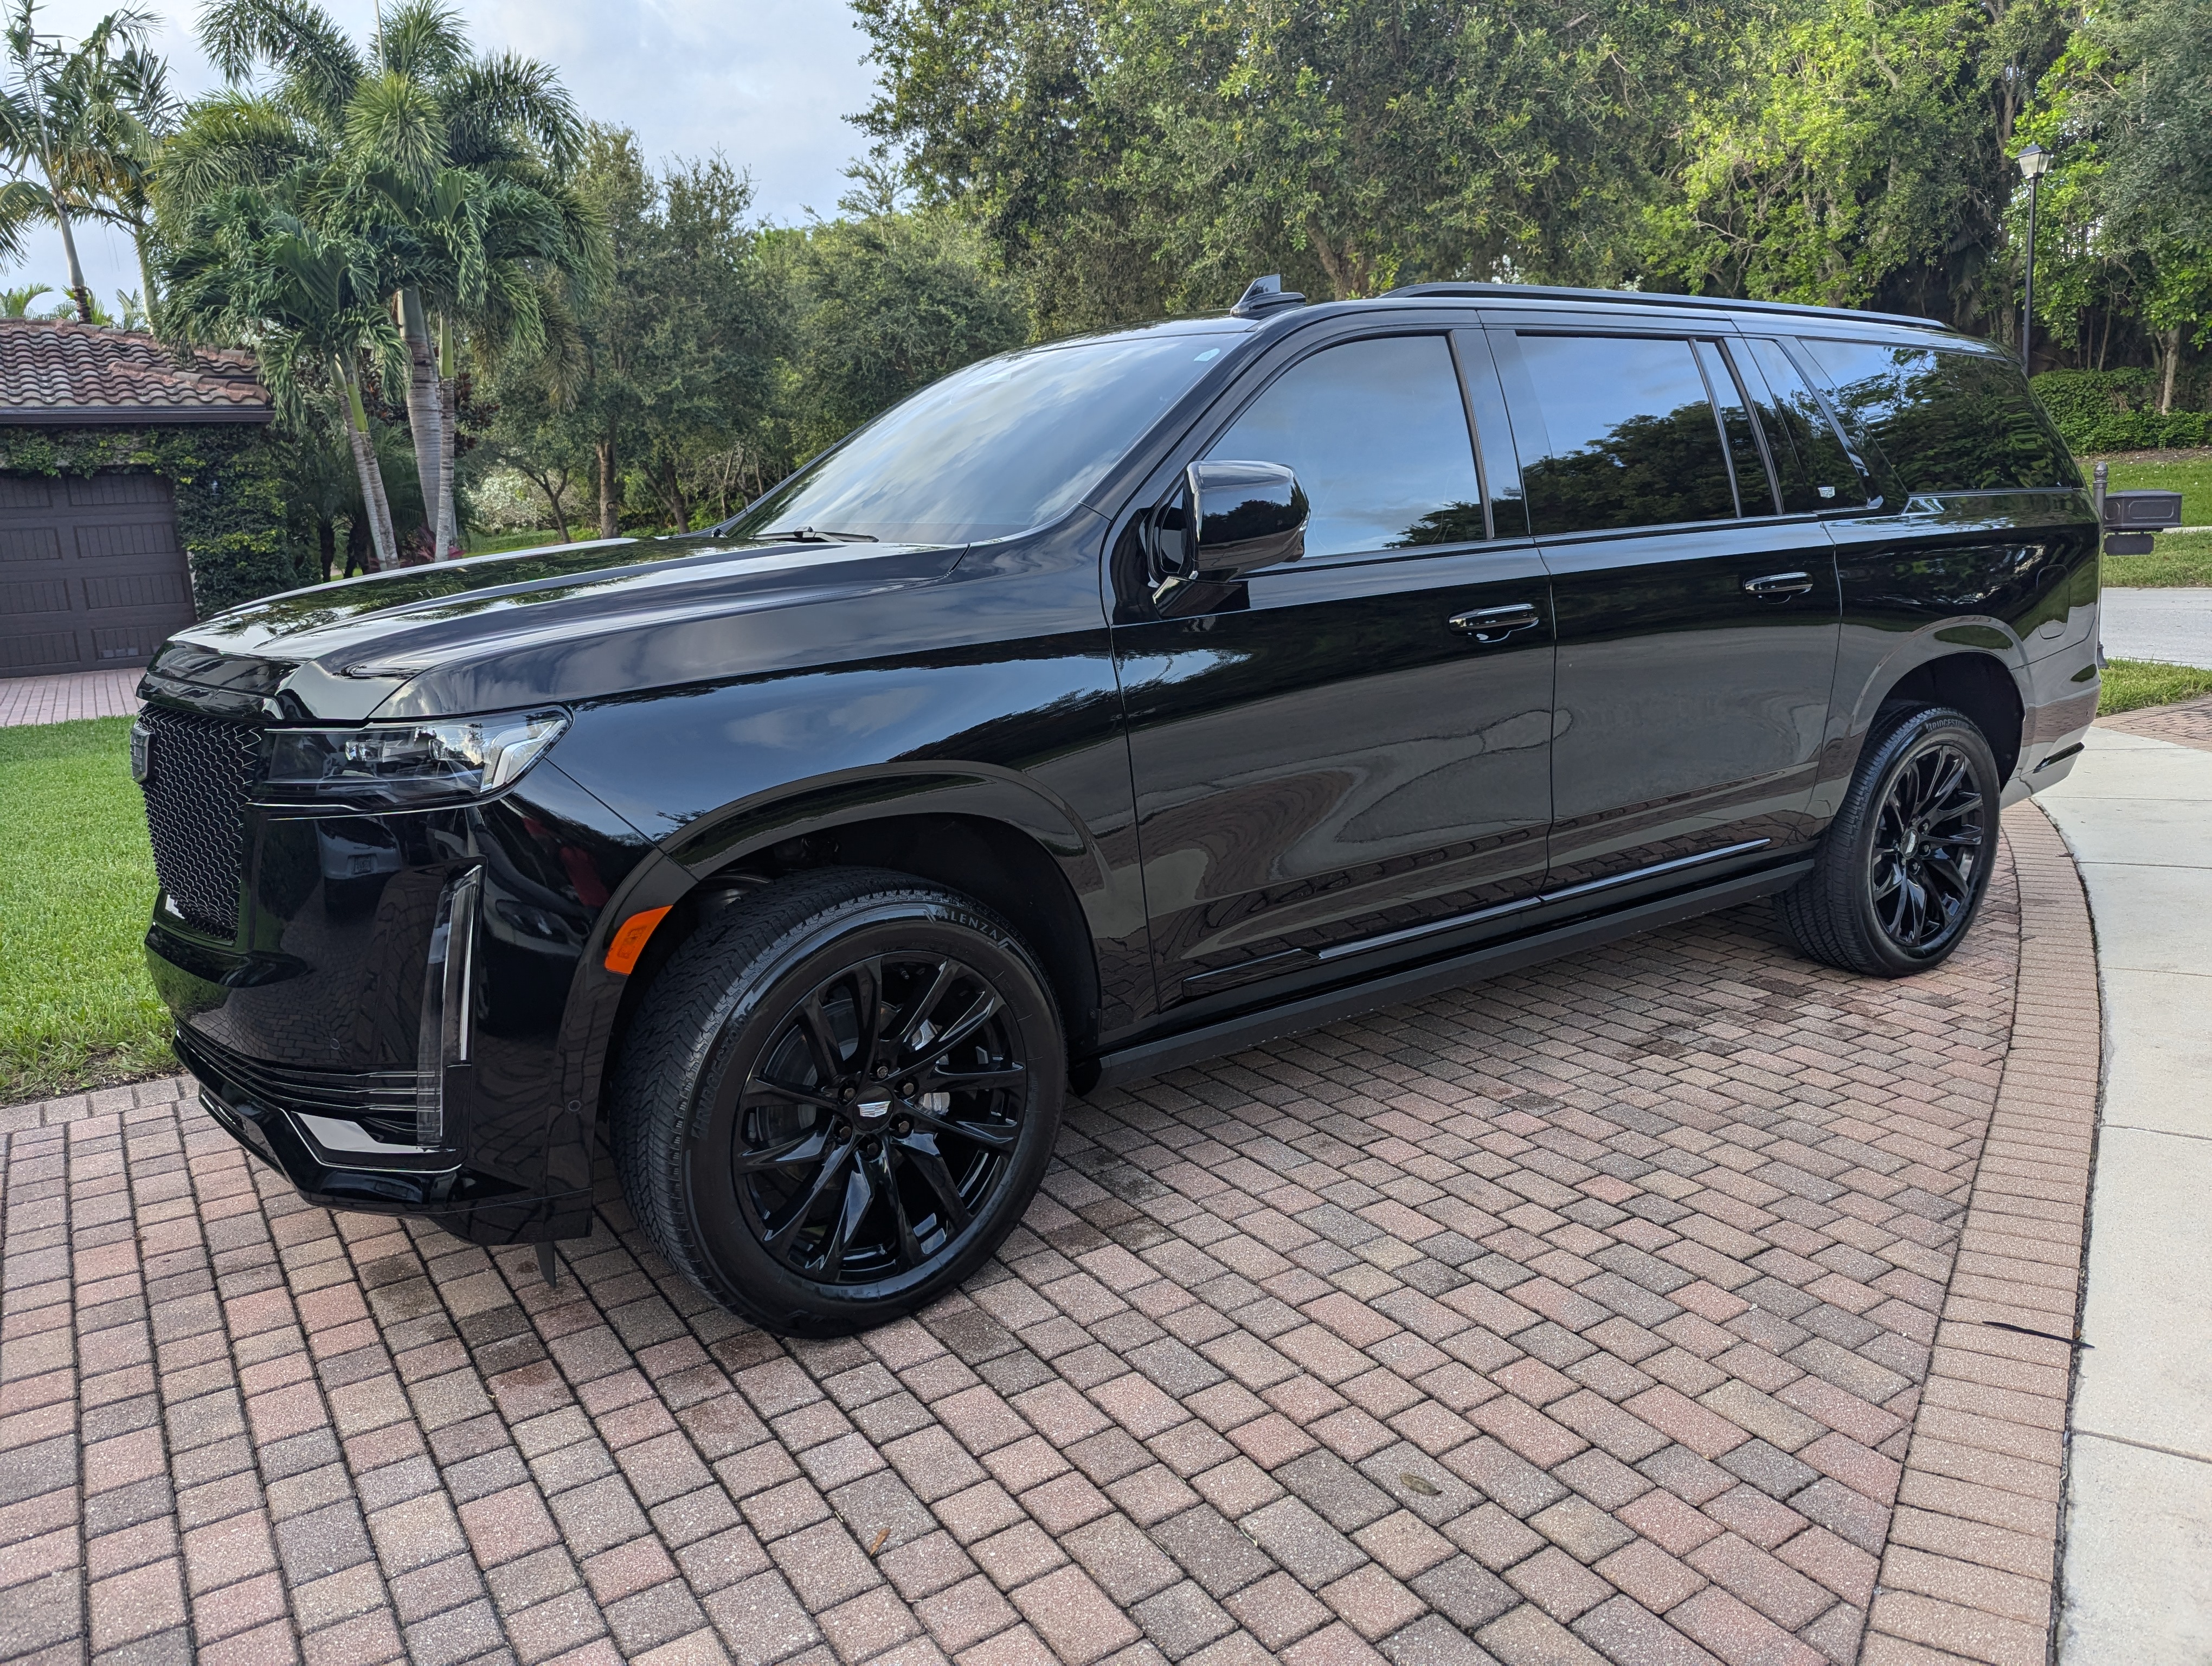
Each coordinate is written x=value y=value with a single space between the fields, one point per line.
x=2183 y=561
x=76 y=1008
x=2131 y=685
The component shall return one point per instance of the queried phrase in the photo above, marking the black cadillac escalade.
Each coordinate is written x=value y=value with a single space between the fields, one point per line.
x=1104 y=706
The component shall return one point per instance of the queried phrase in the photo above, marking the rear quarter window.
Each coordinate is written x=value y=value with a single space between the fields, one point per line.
x=1946 y=419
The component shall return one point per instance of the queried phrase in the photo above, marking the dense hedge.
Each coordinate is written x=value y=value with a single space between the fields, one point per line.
x=231 y=512
x=2100 y=411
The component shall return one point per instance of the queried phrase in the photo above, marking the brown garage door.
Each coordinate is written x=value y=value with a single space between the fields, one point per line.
x=91 y=573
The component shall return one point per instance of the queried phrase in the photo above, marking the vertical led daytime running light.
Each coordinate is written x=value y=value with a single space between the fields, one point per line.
x=445 y=1035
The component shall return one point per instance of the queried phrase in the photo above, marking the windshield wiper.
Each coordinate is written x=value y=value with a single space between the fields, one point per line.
x=818 y=535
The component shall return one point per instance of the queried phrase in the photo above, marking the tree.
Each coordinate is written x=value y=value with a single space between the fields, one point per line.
x=679 y=349
x=1153 y=155
x=61 y=119
x=448 y=166
x=250 y=269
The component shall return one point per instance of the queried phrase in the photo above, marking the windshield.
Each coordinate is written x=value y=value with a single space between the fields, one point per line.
x=1003 y=445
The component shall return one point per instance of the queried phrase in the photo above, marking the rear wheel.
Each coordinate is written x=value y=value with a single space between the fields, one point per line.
x=840 y=1096
x=1904 y=867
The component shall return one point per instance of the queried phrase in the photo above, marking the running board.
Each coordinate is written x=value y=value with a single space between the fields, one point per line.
x=1150 y=1058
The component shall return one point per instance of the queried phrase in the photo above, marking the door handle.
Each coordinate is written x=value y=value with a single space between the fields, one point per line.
x=1780 y=584
x=1495 y=624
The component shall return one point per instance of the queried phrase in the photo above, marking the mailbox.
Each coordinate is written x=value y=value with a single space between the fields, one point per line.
x=2131 y=517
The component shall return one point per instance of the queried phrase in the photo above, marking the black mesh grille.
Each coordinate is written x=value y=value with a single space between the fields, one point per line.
x=197 y=771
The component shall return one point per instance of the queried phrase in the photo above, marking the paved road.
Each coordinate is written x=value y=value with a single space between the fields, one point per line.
x=2159 y=624
x=2137 y=812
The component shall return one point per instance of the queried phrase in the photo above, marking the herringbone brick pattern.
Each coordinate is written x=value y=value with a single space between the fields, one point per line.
x=1579 y=1316
x=2187 y=723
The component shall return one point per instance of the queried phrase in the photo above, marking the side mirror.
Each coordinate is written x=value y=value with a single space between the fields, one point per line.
x=1237 y=518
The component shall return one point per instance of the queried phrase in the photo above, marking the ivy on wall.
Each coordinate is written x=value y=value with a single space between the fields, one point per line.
x=232 y=517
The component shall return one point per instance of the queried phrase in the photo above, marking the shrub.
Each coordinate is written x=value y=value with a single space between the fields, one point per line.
x=2102 y=410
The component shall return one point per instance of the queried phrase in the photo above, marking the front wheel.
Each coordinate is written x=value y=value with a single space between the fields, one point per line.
x=1904 y=867
x=838 y=1099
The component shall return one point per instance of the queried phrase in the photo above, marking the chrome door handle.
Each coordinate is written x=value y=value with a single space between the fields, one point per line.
x=1495 y=624
x=1780 y=584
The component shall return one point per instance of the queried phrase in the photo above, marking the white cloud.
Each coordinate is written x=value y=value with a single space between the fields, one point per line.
x=767 y=82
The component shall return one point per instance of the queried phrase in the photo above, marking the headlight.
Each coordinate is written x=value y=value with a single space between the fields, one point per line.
x=399 y=766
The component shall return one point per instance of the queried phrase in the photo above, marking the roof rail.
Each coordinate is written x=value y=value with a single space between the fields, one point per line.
x=1473 y=291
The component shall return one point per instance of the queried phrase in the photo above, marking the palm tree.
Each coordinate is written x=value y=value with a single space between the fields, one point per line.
x=249 y=267
x=450 y=166
x=59 y=119
x=16 y=303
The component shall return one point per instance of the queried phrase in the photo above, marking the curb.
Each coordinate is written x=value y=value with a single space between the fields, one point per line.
x=1970 y=1568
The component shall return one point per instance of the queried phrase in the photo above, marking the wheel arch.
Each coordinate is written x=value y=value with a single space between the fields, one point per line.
x=982 y=830
x=1951 y=666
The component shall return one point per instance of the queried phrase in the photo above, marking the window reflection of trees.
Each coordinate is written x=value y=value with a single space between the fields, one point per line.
x=1454 y=523
x=1647 y=471
x=1947 y=422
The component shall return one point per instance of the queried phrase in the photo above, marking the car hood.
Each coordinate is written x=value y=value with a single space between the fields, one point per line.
x=571 y=622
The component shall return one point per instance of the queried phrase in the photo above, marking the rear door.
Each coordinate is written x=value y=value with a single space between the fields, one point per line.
x=1348 y=756
x=1697 y=620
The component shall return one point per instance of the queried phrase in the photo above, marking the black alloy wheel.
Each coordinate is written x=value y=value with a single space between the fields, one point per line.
x=1905 y=864
x=875 y=1127
x=1923 y=864
x=838 y=1096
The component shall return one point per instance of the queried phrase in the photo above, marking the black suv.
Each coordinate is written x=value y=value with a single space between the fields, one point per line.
x=1102 y=706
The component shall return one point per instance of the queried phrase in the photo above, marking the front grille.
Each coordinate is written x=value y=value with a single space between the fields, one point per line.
x=381 y=1100
x=197 y=770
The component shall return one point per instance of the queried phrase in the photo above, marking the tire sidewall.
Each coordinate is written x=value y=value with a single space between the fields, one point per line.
x=1897 y=749
x=752 y=1016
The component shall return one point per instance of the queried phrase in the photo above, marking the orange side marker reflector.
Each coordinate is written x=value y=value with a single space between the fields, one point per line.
x=630 y=940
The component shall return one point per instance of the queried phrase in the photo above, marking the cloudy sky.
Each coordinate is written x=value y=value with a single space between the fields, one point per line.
x=767 y=82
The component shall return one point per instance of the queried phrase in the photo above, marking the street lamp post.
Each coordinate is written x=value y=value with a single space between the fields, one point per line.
x=2034 y=163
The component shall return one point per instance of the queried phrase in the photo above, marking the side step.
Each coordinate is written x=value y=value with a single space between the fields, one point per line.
x=1150 y=1058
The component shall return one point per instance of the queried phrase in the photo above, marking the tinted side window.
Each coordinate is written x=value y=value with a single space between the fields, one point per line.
x=1947 y=421
x=1629 y=435
x=1378 y=436
x=1754 y=494
x=1816 y=472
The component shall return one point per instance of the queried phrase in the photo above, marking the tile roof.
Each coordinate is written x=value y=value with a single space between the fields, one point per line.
x=52 y=371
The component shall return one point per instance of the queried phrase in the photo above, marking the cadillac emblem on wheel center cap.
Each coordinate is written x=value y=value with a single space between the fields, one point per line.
x=872 y=1111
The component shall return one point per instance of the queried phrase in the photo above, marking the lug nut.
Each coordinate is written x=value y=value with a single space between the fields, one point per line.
x=851 y=1093
x=906 y=1088
x=903 y=1127
x=882 y=1071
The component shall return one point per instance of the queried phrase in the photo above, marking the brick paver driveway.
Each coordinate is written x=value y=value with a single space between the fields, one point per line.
x=1577 y=1314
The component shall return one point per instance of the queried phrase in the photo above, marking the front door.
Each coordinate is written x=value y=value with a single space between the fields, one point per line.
x=1697 y=622
x=1349 y=755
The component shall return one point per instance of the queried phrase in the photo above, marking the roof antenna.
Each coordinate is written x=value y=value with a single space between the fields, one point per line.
x=1265 y=294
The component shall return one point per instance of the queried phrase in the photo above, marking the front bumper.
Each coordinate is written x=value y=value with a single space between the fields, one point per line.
x=474 y=1204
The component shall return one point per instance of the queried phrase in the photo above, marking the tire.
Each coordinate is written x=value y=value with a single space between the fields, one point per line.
x=1904 y=867
x=813 y=1174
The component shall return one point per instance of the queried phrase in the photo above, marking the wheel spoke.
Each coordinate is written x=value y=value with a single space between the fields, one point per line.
x=791 y=1091
x=959 y=1030
x=810 y=1147
x=998 y=1139
x=860 y=1194
x=970 y=1081
x=778 y=1239
x=880 y=1171
x=921 y=1153
x=1947 y=878
x=918 y=1010
x=867 y=979
x=821 y=1040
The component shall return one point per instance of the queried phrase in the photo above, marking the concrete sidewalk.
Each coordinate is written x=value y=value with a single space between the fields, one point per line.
x=2137 y=1580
